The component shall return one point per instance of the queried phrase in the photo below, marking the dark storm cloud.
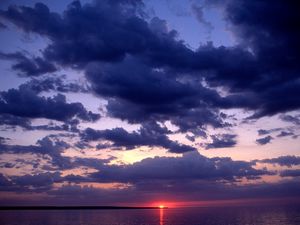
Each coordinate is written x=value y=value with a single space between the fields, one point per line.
x=264 y=78
x=128 y=83
x=283 y=160
x=29 y=67
x=264 y=140
x=80 y=34
x=194 y=120
x=150 y=134
x=138 y=93
x=274 y=99
x=222 y=141
x=24 y=102
x=136 y=82
x=56 y=108
x=272 y=69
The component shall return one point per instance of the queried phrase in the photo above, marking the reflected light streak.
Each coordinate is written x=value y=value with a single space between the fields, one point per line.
x=161 y=215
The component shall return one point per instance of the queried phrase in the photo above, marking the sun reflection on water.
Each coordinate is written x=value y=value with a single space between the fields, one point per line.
x=161 y=215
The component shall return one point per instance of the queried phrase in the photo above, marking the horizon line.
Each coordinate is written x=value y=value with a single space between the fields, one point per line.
x=52 y=207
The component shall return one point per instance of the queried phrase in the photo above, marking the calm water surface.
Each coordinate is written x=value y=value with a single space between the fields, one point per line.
x=181 y=216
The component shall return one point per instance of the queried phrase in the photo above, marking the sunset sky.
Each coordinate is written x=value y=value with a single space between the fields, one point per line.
x=131 y=102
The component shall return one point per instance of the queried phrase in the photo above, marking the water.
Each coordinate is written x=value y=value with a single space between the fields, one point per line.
x=180 y=216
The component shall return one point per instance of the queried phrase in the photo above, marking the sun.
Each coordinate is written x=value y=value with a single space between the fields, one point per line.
x=161 y=206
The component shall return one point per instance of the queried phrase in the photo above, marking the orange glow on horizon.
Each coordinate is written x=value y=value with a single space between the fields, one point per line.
x=229 y=202
x=162 y=204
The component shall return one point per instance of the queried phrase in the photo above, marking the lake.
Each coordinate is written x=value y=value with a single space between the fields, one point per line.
x=264 y=215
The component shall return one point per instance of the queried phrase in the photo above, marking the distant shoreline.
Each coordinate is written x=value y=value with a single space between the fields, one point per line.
x=72 y=207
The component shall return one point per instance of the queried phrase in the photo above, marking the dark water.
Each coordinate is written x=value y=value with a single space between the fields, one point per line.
x=181 y=216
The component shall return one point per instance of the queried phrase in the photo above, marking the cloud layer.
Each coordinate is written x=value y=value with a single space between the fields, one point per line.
x=147 y=77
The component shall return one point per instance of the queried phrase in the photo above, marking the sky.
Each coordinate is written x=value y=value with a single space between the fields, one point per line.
x=132 y=102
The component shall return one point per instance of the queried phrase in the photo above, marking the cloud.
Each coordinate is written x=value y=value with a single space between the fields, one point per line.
x=3 y=140
x=139 y=93
x=9 y=122
x=170 y=192
x=222 y=141
x=29 y=66
x=150 y=134
x=13 y=100
x=25 y=103
x=13 y=121
x=55 y=83
x=4 y=183
x=44 y=146
x=148 y=76
x=290 y=173
x=264 y=140
x=54 y=147
x=74 y=35
x=289 y=160
x=42 y=180
x=70 y=126
x=264 y=132
x=285 y=134
x=274 y=49
x=198 y=11
x=75 y=42
x=291 y=119
x=190 y=177
x=191 y=166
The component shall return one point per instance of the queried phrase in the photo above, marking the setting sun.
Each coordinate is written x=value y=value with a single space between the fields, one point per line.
x=161 y=206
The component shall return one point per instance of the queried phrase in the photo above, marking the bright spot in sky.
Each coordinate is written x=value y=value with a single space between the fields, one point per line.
x=161 y=206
